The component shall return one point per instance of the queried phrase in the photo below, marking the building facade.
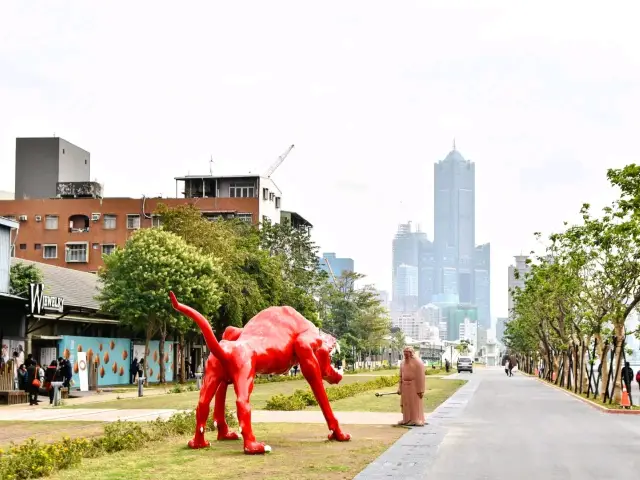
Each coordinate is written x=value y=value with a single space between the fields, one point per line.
x=482 y=280
x=42 y=163
x=501 y=326
x=337 y=265
x=77 y=232
x=454 y=226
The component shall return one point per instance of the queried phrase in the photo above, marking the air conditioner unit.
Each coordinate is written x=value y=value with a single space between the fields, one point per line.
x=38 y=218
x=23 y=218
x=95 y=217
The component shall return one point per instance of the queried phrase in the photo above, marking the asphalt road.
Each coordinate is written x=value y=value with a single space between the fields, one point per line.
x=519 y=428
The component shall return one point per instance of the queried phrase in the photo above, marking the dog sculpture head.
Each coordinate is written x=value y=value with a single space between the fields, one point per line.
x=324 y=353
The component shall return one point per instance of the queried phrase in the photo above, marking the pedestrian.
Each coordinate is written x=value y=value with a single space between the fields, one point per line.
x=22 y=378
x=627 y=377
x=506 y=367
x=411 y=389
x=295 y=370
x=638 y=378
x=133 y=371
x=33 y=382
x=50 y=376
x=511 y=365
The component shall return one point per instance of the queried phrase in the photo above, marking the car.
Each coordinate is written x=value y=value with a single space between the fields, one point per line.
x=465 y=364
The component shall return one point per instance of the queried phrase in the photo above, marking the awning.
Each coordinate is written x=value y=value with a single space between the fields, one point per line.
x=79 y=319
x=46 y=337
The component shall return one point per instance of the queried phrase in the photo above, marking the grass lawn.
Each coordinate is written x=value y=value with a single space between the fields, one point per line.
x=261 y=393
x=46 y=432
x=611 y=406
x=300 y=452
x=438 y=390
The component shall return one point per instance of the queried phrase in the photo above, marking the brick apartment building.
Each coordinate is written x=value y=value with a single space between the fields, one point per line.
x=77 y=226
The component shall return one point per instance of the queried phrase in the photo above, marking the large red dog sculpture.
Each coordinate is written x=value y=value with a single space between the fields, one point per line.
x=272 y=342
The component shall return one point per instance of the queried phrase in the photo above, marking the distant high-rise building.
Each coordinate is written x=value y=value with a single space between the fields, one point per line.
x=411 y=249
x=482 y=272
x=426 y=270
x=454 y=226
x=460 y=267
x=383 y=296
x=406 y=292
x=338 y=265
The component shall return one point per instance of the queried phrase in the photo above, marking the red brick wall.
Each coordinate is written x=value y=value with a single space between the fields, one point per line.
x=32 y=232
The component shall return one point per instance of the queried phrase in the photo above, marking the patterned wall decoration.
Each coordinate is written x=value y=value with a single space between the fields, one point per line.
x=153 y=359
x=110 y=354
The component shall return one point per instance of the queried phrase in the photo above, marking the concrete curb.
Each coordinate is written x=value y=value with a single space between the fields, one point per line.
x=610 y=411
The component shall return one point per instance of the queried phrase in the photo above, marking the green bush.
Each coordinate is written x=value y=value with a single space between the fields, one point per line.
x=301 y=399
x=32 y=459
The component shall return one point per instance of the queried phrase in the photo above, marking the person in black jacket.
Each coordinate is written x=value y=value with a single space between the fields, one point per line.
x=32 y=375
x=627 y=378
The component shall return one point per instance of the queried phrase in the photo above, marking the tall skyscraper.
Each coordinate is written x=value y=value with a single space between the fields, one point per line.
x=460 y=267
x=406 y=253
x=454 y=226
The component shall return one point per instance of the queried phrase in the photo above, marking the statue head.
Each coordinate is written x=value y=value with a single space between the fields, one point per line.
x=326 y=350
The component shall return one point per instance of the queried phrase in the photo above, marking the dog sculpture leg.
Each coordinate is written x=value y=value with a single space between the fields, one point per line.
x=311 y=371
x=219 y=414
x=209 y=387
x=243 y=385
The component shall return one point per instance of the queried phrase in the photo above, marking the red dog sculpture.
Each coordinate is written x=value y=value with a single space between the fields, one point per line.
x=272 y=342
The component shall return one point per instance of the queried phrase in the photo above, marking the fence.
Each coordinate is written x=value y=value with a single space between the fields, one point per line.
x=6 y=377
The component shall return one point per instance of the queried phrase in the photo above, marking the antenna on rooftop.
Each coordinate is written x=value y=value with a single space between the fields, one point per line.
x=211 y=166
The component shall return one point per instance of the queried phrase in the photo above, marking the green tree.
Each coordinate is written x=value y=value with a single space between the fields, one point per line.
x=137 y=280
x=354 y=314
x=21 y=275
x=252 y=281
x=299 y=265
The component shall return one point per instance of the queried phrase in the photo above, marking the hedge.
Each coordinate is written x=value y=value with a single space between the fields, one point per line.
x=32 y=459
x=301 y=399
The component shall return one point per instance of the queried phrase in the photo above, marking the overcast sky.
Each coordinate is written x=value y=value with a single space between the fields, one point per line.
x=372 y=93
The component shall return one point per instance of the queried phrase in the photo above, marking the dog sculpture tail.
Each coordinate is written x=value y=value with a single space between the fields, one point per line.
x=202 y=322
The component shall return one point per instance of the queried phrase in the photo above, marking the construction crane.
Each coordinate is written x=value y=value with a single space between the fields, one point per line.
x=278 y=162
x=326 y=260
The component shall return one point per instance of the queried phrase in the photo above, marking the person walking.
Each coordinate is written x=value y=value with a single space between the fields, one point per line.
x=50 y=376
x=627 y=377
x=33 y=382
x=506 y=367
x=411 y=389
x=133 y=370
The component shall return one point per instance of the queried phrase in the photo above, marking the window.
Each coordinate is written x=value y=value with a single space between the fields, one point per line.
x=51 y=222
x=23 y=246
x=63 y=151
x=133 y=221
x=50 y=251
x=109 y=222
x=265 y=193
x=277 y=202
x=77 y=252
x=272 y=196
x=242 y=190
x=108 y=248
x=37 y=246
x=156 y=221
x=245 y=217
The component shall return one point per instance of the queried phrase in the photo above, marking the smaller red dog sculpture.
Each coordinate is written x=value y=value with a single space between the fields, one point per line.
x=272 y=342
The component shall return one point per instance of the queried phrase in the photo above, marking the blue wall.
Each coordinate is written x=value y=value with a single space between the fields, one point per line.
x=153 y=360
x=113 y=356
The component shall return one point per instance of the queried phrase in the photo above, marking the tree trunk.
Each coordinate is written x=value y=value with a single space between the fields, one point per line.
x=149 y=333
x=603 y=351
x=182 y=359
x=163 y=336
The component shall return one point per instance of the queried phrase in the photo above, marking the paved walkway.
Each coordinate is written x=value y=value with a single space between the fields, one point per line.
x=497 y=428
x=26 y=413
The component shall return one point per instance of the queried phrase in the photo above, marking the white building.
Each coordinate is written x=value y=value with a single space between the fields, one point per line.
x=469 y=332
x=407 y=322
x=406 y=282
x=430 y=314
